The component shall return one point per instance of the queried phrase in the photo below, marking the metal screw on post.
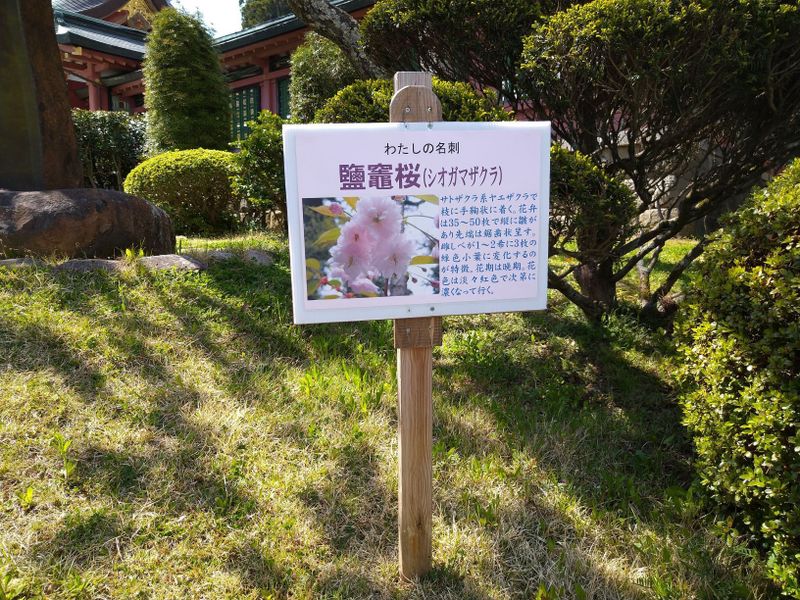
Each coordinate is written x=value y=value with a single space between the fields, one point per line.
x=415 y=102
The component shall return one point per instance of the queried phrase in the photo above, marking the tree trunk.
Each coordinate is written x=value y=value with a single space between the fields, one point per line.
x=335 y=24
x=597 y=284
x=39 y=150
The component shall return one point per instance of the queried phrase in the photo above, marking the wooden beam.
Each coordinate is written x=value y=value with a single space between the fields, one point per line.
x=414 y=101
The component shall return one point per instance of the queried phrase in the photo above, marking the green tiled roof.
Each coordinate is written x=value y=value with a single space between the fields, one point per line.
x=276 y=27
x=80 y=30
x=88 y=32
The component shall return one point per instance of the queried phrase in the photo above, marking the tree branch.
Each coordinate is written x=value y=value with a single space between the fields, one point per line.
x=591 y=309
x=335 y=24
x=675 y=274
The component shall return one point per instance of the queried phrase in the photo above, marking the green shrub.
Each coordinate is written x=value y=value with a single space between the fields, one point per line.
x=589 y=210
x=187 y=99
x=740 y=341
x=194 y=186
x=591 y=213
x=319 y=70
x=458 y=40
x=259 y=178
x=368 y=101
x=110 y=144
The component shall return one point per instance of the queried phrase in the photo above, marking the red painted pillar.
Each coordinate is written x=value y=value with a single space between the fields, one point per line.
x=94 y=96
x=98 y=96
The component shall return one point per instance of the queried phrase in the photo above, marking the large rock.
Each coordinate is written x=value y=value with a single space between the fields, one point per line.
x=84 y=223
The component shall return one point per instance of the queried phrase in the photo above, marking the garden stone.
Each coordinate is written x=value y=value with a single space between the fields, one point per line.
x=85 y=223
x=218 y=255
x=91 y=264
x=18 y=263
x=165 y=262
x=259 y=257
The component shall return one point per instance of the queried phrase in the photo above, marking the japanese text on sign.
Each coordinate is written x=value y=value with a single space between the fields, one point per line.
x=382 y=176
x=404 y=220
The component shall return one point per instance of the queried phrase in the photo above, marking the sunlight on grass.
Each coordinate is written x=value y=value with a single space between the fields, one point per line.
x=221 y=452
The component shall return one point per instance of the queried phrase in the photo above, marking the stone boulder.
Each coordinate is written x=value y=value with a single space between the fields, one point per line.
x=85 y=223
x=166 y=262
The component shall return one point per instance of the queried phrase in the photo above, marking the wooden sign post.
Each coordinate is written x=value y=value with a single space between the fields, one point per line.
x=469 y=237
x=414 y=102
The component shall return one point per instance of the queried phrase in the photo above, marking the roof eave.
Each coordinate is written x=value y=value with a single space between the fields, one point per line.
x=73 y=39
x=280 y=26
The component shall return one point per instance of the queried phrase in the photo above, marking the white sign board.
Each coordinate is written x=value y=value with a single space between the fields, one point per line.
x=389 y=221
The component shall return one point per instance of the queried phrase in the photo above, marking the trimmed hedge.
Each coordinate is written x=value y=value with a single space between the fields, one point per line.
x=319 y=70
x=110 y=144
x=195 y=187
x=368 y=101
x=259 y=178
x=740 y=341
x=188 y=102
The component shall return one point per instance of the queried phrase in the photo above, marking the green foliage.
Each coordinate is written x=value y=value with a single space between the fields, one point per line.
x=712 y=103
x=110 y=144
x=11 y=586
x=588 y=209
x=740 y=339
x=259 y=177
x=195 y=187
x=365 y=101
x=319 y=70
x=368 y=101
x=186 y=96
x=459 y=40
x=256 y=12
x=62 y=446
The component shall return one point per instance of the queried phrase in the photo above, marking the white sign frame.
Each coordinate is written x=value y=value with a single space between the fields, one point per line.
x=365 y=309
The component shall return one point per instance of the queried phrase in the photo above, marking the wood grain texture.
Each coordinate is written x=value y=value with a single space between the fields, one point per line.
x=415 y=366
x=422 y=332
x=404 y=78
x=414 y=102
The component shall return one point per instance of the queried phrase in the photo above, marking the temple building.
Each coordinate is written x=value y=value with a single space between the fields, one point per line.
x=102 y=48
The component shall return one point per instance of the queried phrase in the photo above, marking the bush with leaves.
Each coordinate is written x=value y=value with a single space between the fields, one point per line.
x=740 y=341
x=590 y=213
x=458 y=40
x=319 y=70
x=195 y=187
x=259 y=178
x=706 y=93
x=110 y=144
x=368 y=101
x=187 y=99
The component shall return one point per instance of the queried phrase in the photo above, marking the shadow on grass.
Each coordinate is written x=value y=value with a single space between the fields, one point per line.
x=578 y=385
x=571 y=399
x=172 y=471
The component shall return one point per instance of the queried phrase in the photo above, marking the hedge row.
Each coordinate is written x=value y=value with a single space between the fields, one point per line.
x=740 y=341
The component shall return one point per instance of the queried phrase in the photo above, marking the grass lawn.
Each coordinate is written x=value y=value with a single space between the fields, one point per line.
x=175 y=436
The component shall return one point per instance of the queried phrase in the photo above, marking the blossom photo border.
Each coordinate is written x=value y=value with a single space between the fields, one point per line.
x=316 y=182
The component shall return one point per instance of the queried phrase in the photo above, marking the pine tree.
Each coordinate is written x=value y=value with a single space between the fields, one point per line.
x=186 y=96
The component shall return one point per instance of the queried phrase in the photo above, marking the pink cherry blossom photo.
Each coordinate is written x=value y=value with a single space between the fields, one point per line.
x=370 y=247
